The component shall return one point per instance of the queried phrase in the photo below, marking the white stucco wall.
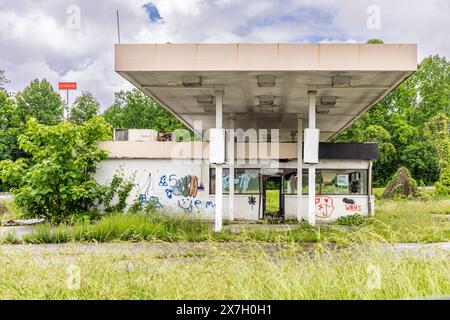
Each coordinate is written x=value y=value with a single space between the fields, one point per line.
x=157 y=180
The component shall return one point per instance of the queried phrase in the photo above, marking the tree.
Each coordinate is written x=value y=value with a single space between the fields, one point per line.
x=134 y=110
x=84 y=108
x=9 y=148
x=402 y=115
x=55 y=181
x=438 y=132
x=375 y=41
x=3 y=80
x=40 y=101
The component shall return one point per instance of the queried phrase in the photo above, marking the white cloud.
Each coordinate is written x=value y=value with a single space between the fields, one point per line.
x=35 y=41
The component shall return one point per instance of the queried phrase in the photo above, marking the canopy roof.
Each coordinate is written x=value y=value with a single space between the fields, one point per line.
x=266 y=85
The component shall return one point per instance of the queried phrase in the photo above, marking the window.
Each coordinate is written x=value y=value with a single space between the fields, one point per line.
x=290 y=183
x=343 y=181
x=246 y=181
x=329 y=182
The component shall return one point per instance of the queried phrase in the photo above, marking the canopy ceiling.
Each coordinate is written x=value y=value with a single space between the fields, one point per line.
x=265 y=85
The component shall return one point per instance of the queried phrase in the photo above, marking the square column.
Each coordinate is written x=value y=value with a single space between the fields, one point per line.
x=219 y=168
x=231 y=161
x=299 y=166
x=312 y=146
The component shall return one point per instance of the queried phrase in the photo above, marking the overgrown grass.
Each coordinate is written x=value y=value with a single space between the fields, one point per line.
x=395 y=221
x=227 y=273
x=273 y=200
x=8 y=211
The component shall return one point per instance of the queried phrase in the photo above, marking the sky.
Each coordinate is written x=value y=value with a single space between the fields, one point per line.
x=74 y=40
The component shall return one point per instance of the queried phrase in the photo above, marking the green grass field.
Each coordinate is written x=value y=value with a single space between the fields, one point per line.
x=221 y=273
x=359 y=264
x=395 y=221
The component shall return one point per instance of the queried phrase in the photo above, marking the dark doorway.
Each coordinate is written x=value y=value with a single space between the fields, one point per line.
x=273 y=197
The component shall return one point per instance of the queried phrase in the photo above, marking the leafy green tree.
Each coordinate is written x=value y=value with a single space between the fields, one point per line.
x=375 y=41
x=40 y=101
x=55 y=181
x=134 y=110
x=403 y=114
x=3 y=80
x=84 y=108
x=438 y=131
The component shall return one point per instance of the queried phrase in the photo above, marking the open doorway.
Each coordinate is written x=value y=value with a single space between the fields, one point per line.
x=273 y=197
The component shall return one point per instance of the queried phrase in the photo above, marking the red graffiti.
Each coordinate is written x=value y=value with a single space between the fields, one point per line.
x=324 y=207
x=353 y=207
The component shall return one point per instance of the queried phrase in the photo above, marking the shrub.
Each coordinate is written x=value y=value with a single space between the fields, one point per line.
x=55 y=181
x=351 y=220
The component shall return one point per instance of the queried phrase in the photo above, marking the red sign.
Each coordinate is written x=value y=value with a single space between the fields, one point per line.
x=67 y=86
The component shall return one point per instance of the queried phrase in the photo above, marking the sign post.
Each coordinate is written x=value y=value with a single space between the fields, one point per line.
x=67 y=86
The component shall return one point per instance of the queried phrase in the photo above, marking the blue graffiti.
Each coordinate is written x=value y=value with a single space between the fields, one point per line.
x=185 y=204
x=163 y=181
x=197 y=204
x=153 y=200
x=169 y=193
x=210 y=204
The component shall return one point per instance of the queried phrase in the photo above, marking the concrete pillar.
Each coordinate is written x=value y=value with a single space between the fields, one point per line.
x=299 y=166
x=312 y=168
x=231 y=161
x=219 y=169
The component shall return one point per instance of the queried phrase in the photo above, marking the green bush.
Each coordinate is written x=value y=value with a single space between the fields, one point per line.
x=351 y=220
x=55 y=181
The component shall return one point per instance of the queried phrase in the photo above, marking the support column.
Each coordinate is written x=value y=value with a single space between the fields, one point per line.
x=299 y=166
x=312 y=168
x=219 y=169
x=231 y=161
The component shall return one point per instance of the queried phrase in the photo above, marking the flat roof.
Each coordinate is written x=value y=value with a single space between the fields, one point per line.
x=349 y=78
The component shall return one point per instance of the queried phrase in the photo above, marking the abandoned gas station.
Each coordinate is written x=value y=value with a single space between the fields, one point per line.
x=267 y=114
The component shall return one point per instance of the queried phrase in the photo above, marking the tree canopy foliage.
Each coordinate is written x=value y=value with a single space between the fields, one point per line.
x=55 y=180
x=40 y=101
x=134 y=110
x=84 y=108
x=398 y=123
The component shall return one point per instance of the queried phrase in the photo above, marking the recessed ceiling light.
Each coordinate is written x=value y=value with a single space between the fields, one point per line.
x=341 y=81
x=266 y=108
x=266 y=81
x=323 y=109
x=209 y=108
x=328 y=100
x=205 y=99
x=191 y=81
x=266 y=99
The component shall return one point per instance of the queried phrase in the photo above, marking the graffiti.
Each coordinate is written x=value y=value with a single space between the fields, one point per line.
x=324 y=207
x=243 y=181
x=353 y=207
x=252 y=201
x=348 y=201
x=188 y=205
x=186 y=186
x=210 y=204
x=185 y=204
x=152 y=200
x=182 y=191
x=163 y=181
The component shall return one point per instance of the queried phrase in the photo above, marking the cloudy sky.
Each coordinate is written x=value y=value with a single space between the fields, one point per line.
x=73 y=40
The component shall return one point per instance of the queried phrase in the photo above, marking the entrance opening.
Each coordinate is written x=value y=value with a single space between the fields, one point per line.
x=273 y=197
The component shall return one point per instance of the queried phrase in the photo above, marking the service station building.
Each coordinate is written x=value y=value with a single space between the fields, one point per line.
x=266 y=114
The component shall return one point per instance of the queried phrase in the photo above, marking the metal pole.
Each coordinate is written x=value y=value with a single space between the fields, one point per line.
x=312 y=167
x=67 y=102
x=118 y=26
